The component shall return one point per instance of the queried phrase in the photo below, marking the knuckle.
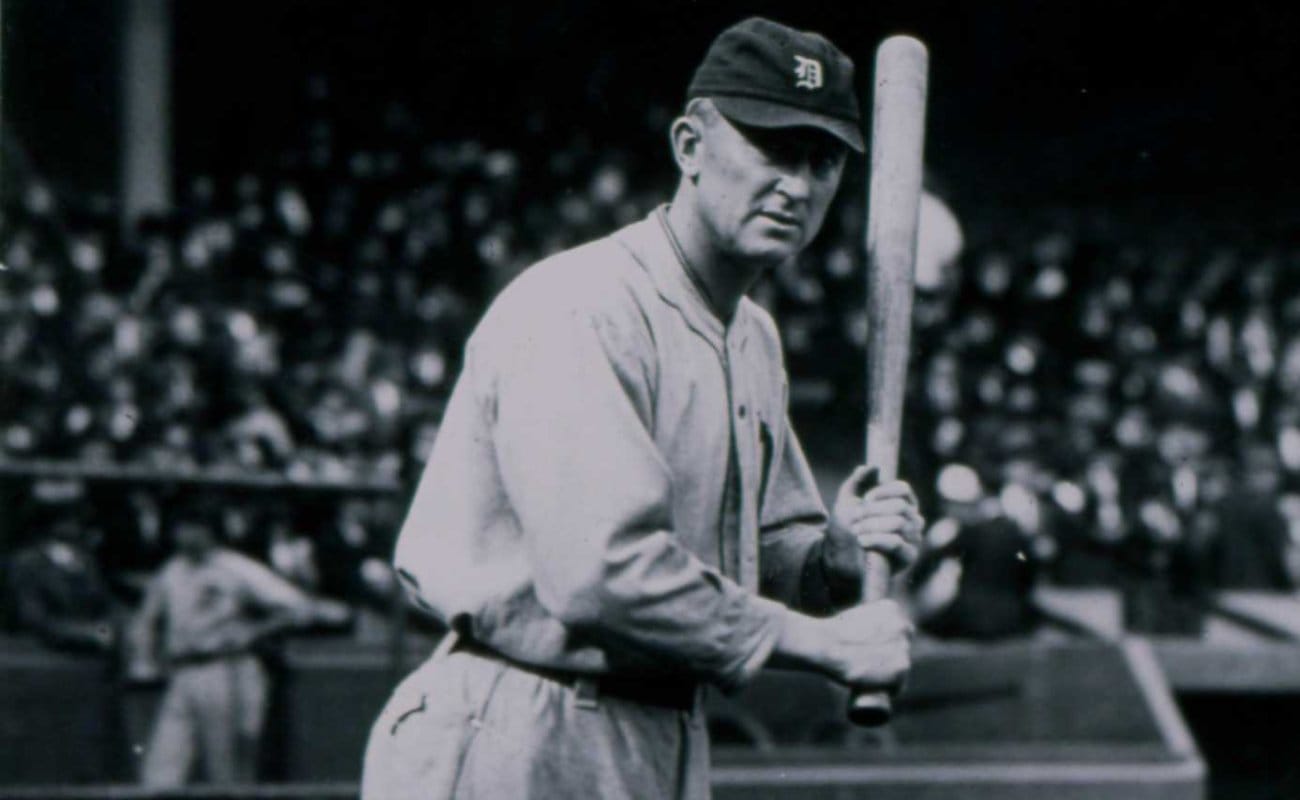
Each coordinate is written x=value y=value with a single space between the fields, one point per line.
x=874 y=525
x=895 y=666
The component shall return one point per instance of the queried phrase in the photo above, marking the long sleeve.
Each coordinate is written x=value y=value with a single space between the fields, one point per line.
x=142 y=632
x=269 y=592
x=793 y=526
x=593 y=496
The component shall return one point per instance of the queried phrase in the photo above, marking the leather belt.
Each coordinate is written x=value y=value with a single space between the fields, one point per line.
x=195 y=658
x=661 y=692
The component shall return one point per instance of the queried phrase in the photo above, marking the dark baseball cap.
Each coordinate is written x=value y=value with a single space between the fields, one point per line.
x=766 y=75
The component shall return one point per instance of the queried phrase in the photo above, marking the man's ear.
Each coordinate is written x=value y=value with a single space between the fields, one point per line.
x=687 y=134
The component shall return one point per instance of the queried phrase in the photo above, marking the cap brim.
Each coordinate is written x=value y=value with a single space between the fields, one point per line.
x=766 y=114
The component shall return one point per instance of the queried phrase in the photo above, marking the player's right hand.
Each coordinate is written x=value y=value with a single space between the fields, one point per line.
x=870 y=646
x=331 y=612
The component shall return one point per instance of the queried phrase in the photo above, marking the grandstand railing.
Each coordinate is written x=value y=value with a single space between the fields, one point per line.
x=254 y=791
x=226 y=477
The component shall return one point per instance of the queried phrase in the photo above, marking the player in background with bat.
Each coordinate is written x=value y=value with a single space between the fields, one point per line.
x=616 y=512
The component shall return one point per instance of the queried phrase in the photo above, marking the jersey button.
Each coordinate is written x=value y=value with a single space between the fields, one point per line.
x=742 y=412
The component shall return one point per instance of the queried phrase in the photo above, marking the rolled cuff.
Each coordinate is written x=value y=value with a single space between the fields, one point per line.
x=758 y=633
x=784 y=556
x=825 y=590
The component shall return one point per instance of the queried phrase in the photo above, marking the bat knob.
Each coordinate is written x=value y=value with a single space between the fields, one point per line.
x=870 y=710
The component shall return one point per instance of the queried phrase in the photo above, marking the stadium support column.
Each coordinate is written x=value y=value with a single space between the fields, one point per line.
x=4 y=52
x=146 y=108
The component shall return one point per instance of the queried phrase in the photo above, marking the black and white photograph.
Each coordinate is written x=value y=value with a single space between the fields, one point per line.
x=686 y=400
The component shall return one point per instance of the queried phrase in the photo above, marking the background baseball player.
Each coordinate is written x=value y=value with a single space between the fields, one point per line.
x=213 y=605
x=616 y=511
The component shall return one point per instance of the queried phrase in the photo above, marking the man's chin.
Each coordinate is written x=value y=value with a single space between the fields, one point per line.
x=770 y=249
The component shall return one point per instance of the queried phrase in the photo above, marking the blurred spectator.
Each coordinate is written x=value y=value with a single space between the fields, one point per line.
x=214 y=606
x=305 y=314
x=1251 y=546
x=977 y=573
x=291 y=553
x=56 y=590
x=939 y=242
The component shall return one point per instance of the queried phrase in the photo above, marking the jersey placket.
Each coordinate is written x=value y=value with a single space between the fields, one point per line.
x=743 y=536
x=738 y=515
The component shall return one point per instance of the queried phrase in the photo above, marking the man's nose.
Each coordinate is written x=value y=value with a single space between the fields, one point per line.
x=797 y=180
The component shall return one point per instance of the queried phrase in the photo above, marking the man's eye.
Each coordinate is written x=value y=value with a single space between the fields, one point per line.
x=777 y=147
x=777 y=151
x=824 y=162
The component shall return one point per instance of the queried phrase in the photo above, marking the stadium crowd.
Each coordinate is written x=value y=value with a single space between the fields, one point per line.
x=1115 y=396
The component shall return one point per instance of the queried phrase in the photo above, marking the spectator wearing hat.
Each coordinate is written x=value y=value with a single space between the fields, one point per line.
x=56 y=590
x=977 y=575
x=1251 y=546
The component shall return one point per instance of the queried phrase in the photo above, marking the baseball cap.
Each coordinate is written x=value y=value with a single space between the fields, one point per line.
x=766 y=75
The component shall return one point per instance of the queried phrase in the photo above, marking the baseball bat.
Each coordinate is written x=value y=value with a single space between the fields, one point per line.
x=893 y=208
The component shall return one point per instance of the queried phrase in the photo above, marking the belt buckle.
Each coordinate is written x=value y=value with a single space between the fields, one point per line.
x=586 y=693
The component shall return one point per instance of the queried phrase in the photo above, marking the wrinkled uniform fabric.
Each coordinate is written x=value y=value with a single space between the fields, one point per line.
x=572 y=516
x=468 y=727
x=214 y=708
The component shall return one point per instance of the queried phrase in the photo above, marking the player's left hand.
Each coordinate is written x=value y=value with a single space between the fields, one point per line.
x=881 y=518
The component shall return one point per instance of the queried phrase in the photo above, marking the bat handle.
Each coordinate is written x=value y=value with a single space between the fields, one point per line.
x=872 y=709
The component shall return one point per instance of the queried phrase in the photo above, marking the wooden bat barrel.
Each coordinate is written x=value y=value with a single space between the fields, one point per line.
x=893 y=210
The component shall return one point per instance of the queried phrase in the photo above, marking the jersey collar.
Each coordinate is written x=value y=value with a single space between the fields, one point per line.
x=649 y=243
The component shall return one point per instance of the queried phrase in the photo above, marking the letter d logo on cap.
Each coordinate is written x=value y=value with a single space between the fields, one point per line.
x=808 y=72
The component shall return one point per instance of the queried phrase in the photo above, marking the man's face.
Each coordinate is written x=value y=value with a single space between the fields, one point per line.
x=763 y=192
x=193 y=539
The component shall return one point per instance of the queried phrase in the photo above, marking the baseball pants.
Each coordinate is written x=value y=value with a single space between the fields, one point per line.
x=474 y=728
x=214 y=710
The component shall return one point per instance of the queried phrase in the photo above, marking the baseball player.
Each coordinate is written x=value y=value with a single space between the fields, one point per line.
x=213 y=606
x=616 y=512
